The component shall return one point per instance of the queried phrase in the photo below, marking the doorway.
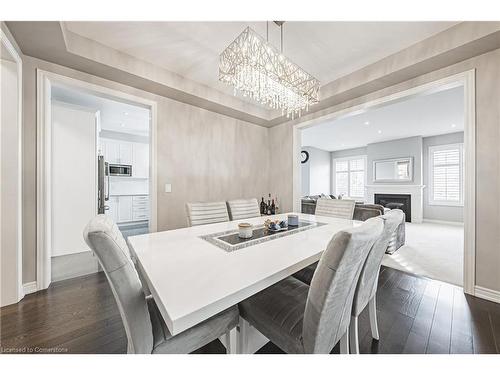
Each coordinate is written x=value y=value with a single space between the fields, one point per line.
x=97 y=155
x=355 y=173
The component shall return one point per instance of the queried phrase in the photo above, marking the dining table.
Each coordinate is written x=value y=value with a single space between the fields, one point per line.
x=196 y=272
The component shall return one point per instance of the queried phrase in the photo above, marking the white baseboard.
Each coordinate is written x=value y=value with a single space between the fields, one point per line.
x=489 y=294
x=456 y=223
x=29 y=288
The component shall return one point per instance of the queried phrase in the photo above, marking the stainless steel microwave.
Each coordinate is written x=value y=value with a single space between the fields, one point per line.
x=122 y=170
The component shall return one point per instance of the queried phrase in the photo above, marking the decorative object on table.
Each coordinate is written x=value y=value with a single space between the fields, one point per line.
x=276 y=225
x=263 y=207
x=245 y=230
x=268 y=212
x=258 y=70
x=293 y=220
x=304 y=156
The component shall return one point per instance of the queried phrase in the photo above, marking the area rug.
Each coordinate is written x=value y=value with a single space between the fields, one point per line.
x=431 y=250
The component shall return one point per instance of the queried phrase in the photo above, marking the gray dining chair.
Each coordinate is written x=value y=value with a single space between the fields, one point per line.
x=366 y=290
x=144 y=326
x=340 y=208
x=243 y=208
x=201 y=213
x=302 y=319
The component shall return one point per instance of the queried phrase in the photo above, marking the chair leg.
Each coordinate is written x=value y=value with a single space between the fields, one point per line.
x=232 y=341
x=353 y=335
x=344 y=343
x=372 y=309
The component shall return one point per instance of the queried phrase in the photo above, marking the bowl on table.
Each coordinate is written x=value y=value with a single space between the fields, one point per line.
x=245 y=230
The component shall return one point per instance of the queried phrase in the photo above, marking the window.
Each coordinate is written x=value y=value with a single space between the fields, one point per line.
x=350 y=176
x=446 y=171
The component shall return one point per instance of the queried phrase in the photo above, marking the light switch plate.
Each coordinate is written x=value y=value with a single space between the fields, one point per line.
x=168 y=188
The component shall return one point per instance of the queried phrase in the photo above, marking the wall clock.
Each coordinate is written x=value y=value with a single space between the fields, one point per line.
x=304 y=157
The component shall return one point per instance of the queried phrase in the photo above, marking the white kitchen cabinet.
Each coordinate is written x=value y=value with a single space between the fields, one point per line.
x=128 y=208
x=112 y=212
x=111 y=150
x=125 y=212
x=130 y=153
x=125 y=153
x=140 y=162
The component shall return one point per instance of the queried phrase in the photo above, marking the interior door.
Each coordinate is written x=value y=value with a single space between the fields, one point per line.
x=74 y=176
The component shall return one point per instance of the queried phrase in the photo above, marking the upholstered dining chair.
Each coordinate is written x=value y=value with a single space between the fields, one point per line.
x=366 y=290
x=145 y=329
x=243 y=208
x=341 y=208
x=302 y=319
x=206 y=213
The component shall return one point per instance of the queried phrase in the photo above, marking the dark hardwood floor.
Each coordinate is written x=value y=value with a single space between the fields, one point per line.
x=416 y=315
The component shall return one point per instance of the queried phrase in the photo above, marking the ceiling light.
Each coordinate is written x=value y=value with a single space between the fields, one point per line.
x=258 y=70
x=122 y=125
x=125 y=113
x=367 y=122
x=453 y=125
x=379 y=132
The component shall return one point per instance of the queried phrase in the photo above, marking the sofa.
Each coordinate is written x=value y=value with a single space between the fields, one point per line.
x=362 y=212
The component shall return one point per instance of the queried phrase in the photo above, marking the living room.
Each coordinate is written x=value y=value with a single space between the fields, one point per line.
x=418 y=168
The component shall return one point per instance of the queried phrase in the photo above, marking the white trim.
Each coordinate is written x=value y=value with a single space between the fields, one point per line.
x=489 y=294
x=430 y=167
x=467 y=81
x=19 y=65
x=44 y=82
x=30 y=287
x=444 y=222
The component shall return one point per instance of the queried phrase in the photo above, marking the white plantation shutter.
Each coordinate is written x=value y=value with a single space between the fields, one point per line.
x=350 y=176
x=446 y=174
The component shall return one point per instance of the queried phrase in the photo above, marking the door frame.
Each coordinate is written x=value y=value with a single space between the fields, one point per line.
x=464 y=79
x=18 y=264
x=45 y=80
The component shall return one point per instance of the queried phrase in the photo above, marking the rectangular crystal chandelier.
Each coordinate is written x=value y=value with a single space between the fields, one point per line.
x=257 y=69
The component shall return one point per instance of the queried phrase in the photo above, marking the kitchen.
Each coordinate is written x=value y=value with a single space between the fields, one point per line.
x=108 y=141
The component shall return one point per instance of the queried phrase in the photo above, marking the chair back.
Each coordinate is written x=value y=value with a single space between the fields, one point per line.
x=206 y=213
x=329 y=302
x=368 y=279
x=107 y=242
x=243 y=208
x=341 y=208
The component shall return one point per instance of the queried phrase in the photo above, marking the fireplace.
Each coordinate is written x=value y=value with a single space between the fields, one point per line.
x=401 y=201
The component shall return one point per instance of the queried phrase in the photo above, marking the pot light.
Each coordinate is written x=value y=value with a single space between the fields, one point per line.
x=453 y=125
x=367 y=122
x=379 y=132
x=125 y=113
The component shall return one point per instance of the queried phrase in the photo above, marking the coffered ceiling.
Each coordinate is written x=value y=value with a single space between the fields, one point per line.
x=327 y=50
x=179 y=60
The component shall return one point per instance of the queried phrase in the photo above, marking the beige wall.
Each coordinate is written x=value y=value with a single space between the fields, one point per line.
x=487 y=158
x=204 y=155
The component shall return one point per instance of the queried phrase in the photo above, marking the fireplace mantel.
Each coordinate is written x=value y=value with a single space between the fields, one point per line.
x=415 y=191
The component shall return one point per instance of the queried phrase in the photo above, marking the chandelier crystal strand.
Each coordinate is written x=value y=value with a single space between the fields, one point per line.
x=257 y=70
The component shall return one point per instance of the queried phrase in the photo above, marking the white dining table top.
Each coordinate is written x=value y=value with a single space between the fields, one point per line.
x=192 y=279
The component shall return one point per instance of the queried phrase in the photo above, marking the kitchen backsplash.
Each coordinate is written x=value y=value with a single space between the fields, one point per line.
x=128 y=186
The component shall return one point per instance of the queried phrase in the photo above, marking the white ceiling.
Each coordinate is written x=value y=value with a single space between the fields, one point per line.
x=438 y=113
x=115 y=116
x=327 y=50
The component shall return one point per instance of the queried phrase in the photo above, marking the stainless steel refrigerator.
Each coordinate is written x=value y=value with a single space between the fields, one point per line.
x=102 y=185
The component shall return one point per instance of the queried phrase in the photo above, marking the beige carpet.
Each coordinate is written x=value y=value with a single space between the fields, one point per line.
x=431 y=250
